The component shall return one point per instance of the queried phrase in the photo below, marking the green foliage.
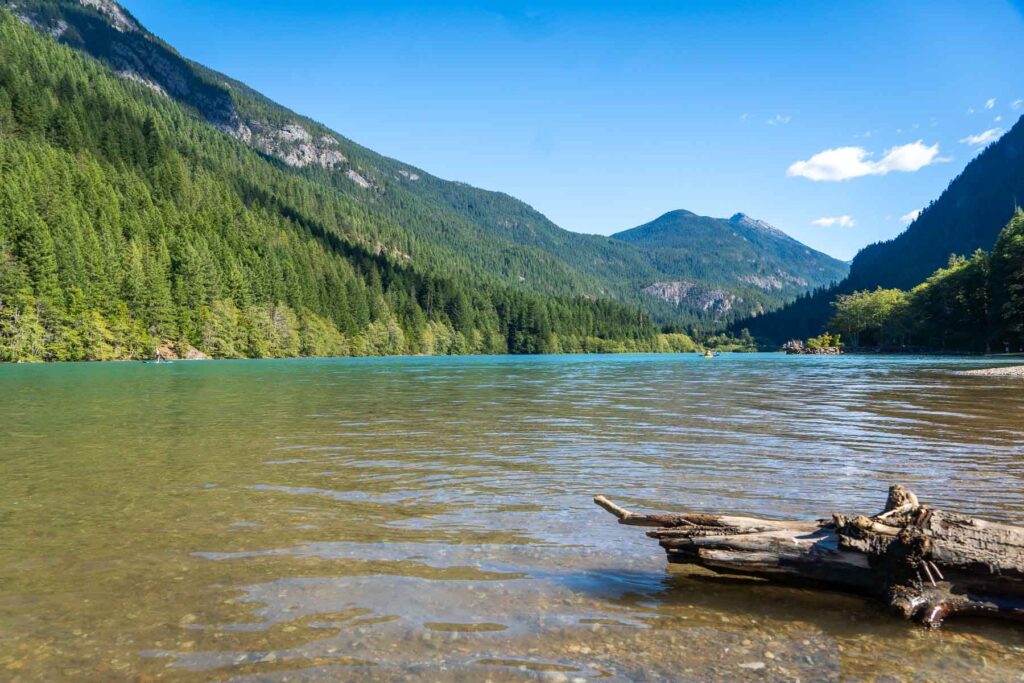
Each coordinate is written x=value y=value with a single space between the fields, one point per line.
x=968 y=216
x=951 y=309
x=741 y=343
x=676 y=342
x=1007 y=273
x=974 y=304
x=825 y=341
x=439 y=226
x=749 y=258
x=875 y=317
x=140 y=223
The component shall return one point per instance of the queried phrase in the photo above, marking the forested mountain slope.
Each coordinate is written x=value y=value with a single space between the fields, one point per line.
x=735 y=266
x=973 y=304
x=445 y=220
x=433 y=223
x=969 y=215
x=126 y=221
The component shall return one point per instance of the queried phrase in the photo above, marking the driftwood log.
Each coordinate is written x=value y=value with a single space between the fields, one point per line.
x=927 y=564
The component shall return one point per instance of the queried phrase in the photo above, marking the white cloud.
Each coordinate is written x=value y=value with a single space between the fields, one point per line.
x=744 y=116
x=778 y=120
x=989 y=103
x=843 y=163
x=912 y=216
x=998 y=119
x=1016 y=104
x=970 y=110
x=983 y=138
x=843 y=221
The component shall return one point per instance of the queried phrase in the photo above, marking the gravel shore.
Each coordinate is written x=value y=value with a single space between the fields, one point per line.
x=1008 y=371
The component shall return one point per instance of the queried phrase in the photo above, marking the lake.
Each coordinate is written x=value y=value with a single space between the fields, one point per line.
x=431 y=518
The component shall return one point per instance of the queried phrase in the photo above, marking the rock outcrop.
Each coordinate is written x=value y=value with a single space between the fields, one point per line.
x=292 y=143
x=693 y=295
x=779 y=281
x=118 y=18
x=170 y=350
x=115 y=37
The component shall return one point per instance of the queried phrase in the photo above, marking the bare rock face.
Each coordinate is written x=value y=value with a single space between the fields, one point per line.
x=170 y=350
x=291 y=143
x=409 y=175
x=194 y=354
x=756 y=224
x=692 y=295
x=359 y=180
x=139 y=78
x=775 y=282
x=113 y=12
x=765 y=282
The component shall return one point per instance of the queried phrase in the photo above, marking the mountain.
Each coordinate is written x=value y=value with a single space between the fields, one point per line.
x=129 y=220
x=443 y=224
x=738 y=266
x=969 y=215
x=446 y=224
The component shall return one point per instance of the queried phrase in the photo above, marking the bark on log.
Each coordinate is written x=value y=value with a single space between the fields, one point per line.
x=926 y=564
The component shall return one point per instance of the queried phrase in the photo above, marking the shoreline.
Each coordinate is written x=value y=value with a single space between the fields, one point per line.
x=1012 y=370
x=1008 y=371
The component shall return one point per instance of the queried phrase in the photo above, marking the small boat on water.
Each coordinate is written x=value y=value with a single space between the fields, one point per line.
x=710 y=354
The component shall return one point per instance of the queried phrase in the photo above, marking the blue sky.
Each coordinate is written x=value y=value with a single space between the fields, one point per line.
x=832 y=120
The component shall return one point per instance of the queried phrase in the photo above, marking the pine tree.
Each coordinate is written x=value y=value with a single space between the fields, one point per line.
x=1008 y=281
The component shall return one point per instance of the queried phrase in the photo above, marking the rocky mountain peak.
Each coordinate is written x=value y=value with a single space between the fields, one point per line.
x=115 y=14
x=755 y=223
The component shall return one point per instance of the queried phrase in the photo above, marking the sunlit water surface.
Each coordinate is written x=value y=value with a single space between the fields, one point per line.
x=431 y=519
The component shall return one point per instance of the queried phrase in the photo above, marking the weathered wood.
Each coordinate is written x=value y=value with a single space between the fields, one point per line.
x=927 y=564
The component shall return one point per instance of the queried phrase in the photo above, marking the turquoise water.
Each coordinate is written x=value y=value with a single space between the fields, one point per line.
x=431 y=518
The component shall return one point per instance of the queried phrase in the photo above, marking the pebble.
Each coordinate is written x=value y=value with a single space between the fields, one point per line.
x=555 y=677
x=753 y=666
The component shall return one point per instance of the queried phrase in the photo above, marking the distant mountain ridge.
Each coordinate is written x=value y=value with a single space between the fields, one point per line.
x=969 y=215
x=728 y=266
x=435 y=224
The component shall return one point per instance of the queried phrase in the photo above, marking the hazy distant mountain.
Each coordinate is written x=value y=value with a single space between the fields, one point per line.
x=738 y=265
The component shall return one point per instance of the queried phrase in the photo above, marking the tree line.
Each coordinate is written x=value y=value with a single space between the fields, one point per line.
x=974 y=304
